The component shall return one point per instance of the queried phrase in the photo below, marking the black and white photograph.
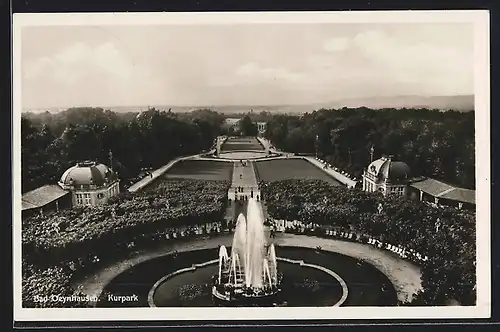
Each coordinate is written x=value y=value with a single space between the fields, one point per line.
x=201 y=166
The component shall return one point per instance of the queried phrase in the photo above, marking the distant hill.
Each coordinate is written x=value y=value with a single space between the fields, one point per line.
x=463 y=103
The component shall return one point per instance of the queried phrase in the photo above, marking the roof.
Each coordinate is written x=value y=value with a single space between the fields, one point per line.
x=376 y=165
x=442 y=190
x=232 y=121
x=395 y=170
x=42 y=196
x=86 y=173
x=386 y=168
x=461 y=195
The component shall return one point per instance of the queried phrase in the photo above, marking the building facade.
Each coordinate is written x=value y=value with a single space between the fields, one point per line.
x=261 y=127
x=90 y=183
x=232 y=124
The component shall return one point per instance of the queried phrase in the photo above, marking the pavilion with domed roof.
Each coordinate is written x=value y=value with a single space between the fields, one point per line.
x=387 y=176
x=87 y=183
x=90 y=183
x=390 y=177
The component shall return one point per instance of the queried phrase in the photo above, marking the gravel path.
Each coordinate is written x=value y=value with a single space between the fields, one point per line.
x=336 y=175
x=404 y=275
x=155 y=174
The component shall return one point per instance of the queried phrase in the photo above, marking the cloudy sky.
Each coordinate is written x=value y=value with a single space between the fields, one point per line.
x=247 y=64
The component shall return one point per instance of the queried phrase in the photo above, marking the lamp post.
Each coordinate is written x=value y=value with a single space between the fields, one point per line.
x=110 y=159
x=316 y=145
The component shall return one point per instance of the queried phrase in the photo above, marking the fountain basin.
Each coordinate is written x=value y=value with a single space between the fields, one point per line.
x=239 y=295
x=301 y=286
x=327 y=282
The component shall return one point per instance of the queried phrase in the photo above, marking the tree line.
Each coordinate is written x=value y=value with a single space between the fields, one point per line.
x=433 y=143
x=437 y=144
x=51 y=143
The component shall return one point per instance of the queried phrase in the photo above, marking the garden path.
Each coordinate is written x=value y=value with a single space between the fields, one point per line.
x=155 y=174
x=350 y=183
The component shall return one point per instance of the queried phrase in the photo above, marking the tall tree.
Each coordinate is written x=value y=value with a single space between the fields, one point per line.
x=247 y=127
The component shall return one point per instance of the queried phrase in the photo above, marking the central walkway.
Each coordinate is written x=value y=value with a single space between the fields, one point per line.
x=244 y=181
x=244 y=185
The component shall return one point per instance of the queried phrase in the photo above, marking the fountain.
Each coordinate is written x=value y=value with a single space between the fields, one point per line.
x=250 y=272
x=246 y=274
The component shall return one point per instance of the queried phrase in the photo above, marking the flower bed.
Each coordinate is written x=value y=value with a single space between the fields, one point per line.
x=445 y=236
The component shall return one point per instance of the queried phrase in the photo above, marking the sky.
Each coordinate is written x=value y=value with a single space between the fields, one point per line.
x=242 y=64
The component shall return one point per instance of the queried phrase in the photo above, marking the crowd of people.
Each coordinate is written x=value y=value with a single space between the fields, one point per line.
x=312 y=229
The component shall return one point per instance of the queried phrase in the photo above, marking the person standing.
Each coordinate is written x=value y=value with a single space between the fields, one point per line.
x=271 y=233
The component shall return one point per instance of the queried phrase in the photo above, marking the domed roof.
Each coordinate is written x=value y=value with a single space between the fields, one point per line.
x=87 y=173
x=387 y=169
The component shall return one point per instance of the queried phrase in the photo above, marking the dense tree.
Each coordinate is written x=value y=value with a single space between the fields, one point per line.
x=433 y=143
x=247 y=127
x=262 y=116
x=53 y=142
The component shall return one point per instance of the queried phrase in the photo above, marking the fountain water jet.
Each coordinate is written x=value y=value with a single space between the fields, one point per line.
x=273 y=265
x=223 y=258
x=251 y=270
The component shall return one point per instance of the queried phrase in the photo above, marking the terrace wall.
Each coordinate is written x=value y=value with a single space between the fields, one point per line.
x=156 y=174
x=349 y=183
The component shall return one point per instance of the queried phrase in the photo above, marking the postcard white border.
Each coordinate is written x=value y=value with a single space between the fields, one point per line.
x=480 y=20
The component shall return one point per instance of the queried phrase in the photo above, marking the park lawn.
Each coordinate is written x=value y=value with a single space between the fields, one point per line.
x=238 y=144
x=200 y=170
x=284 y=169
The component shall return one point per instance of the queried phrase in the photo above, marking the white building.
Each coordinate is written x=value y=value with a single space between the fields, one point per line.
x=232 y=123
x=387 y=176
x=90 y=183
x=261 y=127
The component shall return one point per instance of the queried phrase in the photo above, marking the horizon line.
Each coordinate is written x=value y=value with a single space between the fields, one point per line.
x=207 y=106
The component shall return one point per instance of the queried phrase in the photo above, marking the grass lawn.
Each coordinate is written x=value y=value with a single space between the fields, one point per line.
x=283 y=169
x=244 y=143
x=200 y=170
